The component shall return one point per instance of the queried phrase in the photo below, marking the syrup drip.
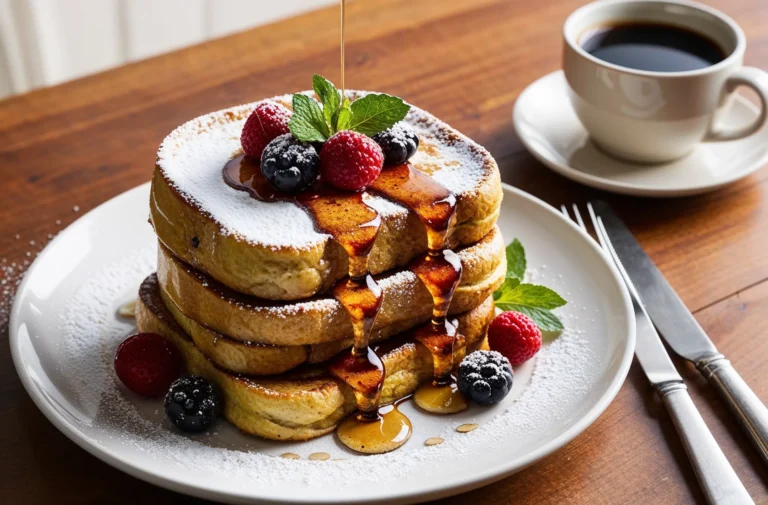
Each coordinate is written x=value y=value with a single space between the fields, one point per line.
x=388 y=431
x=344 y=216
x=354 y=225
x=361 y=369
x=429 y=200
x=440 y=399
x=440 y=271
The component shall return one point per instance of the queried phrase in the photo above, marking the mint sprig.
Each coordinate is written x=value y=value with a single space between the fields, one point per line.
x=369 y=115
x=532 y=300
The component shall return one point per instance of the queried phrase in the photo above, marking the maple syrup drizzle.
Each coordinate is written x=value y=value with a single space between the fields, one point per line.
x=354 y=225
x=387 y=432
x=439 y=270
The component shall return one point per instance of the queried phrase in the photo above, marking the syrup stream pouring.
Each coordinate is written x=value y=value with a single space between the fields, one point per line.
x=343 y=28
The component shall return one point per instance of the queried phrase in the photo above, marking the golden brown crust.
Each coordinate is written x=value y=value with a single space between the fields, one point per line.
x=291 y=272
x=322 y=319
x=307 y=403
x=252 y=358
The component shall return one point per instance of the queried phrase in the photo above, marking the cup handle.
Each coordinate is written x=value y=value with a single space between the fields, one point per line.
x=757 y=80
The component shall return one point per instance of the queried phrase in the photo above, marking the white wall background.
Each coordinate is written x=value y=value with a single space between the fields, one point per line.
x=44 y=42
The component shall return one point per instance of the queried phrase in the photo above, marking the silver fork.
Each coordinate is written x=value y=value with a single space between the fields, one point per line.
x=717 y=479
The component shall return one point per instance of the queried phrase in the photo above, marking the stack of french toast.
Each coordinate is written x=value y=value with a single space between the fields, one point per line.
x=243 y=286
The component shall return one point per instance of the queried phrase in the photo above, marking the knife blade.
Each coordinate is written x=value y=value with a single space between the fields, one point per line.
x=681 y=330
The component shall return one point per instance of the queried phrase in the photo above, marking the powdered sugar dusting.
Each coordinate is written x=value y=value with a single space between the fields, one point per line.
x=192 y=157
x=545 y=392
x=92 y=329
x=12 y=274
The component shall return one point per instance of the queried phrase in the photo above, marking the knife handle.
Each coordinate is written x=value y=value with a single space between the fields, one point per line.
x=742 y=401
x=719 y=482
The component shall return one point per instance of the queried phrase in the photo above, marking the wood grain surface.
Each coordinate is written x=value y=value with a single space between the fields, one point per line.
x=466 y=61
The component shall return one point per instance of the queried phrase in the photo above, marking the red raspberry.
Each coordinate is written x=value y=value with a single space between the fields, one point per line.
x=268 y=121
x=351 y=161
x=147 y=364
x=515 y=336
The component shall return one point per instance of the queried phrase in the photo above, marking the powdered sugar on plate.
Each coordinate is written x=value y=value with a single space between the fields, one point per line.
x=192 y=156
x=550 y=389
x=12 y=273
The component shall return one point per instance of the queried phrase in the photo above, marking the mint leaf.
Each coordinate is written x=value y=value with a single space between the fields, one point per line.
x=532 y=300
x=341 y=118
x=533 y=296
x=308 y=122
x=375 y=113
x=506 y=288
x=330 y=97
x=544 y=319
x=516 y=263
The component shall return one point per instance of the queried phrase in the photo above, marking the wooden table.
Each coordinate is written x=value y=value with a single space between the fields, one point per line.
x=466 y=61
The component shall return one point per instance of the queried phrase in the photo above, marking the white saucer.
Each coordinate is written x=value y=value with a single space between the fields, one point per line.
x=550 y=130
x=64 y=331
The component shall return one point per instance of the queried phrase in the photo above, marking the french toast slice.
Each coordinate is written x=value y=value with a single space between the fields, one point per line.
x=271 y=249
x=251 y=358
x=308 y=402
x=406 y=303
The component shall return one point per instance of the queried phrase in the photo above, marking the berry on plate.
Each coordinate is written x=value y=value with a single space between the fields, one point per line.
x=192 y=404
x=398 y=143
x=147 y=364
x=485 y=377
x=351 y=161
x=515 y=336
x=267 y=121
x=289 y=164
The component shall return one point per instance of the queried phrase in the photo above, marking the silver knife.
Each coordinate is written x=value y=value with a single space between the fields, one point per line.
x=717 y=478
x=681 y=331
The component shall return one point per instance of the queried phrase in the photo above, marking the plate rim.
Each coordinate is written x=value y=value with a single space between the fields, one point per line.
x=625 y=188
x=488 y=476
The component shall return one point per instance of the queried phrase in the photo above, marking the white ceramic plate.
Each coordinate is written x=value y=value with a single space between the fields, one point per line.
x=64 y=331
x=548 y=127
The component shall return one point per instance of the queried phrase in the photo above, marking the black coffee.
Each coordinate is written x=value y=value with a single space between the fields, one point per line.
x=652 y=47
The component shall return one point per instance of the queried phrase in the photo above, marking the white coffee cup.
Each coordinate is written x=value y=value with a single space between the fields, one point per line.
x=653 y=117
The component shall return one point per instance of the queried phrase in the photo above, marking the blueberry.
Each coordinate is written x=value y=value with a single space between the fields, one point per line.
x=485 y=377
x=192 y=404
x=399 y=143
x=289 y=164
x=481 y=392
x=287 y=180
x=489 y=370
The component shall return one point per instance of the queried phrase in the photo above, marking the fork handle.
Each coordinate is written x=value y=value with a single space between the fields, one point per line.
x=719 y=482
x=751 y=412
